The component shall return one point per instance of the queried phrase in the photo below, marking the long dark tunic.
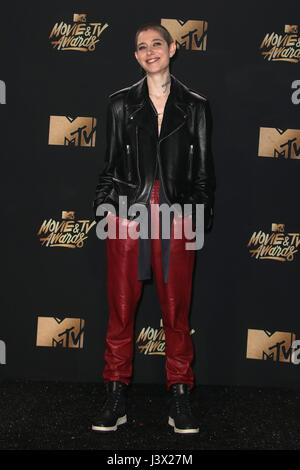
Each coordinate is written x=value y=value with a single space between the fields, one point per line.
x=144 y=258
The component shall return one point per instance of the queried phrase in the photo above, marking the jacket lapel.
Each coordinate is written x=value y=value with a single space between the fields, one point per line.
x=140 y=112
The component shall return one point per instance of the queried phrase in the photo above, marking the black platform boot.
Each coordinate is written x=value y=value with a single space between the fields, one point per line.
x=113 y=412
x=180 y=414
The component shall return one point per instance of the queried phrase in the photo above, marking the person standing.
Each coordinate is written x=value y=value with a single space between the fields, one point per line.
x=157 y=151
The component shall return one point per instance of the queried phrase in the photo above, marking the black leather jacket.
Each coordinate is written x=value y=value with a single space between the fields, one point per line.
x=182 y=150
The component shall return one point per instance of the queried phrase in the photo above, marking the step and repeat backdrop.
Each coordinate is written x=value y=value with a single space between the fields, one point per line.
x=59 y=63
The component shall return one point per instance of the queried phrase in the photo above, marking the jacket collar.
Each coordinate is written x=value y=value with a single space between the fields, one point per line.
x=175 y=112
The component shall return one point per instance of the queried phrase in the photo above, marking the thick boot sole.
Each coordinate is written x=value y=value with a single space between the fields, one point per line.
x=182 y=431
x=120 y=421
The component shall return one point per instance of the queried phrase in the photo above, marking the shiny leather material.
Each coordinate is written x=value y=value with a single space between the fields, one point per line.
x=124 y=291
x=134 y=149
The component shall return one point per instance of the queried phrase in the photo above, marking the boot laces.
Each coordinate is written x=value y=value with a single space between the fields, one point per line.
x=182 y=403
x=112 y=400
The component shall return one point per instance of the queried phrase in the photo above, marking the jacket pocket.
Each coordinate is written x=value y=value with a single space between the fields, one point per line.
x=123 y=188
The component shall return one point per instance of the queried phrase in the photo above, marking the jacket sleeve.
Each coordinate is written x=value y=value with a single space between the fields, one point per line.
x=105 y=182
x=204 y=182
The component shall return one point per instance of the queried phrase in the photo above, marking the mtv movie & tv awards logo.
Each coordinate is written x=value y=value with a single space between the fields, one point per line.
x=282 y=47
x=76 y=36
x=151 y=341
x=277 y=245
x=68 y=232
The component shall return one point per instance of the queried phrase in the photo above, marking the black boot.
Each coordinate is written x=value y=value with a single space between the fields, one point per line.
x=180 y=413
x=113 y=412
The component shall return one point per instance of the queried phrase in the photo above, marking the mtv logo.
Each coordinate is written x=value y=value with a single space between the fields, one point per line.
x=77 y=132
x=190 y=34
x=264 y=345
x=2 y=352
x=278 y=228
x=79 y=17
x=68 y=215
x=291 y=28
x=54 y=332
x=2 y=92
x=279 y=143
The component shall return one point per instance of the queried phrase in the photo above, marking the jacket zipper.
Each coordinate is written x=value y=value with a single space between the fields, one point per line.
x=137 y=158
x=128 y=163
x=190 y=162
x=124 y=182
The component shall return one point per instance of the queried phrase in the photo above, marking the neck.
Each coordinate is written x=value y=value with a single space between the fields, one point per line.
x=159 y=84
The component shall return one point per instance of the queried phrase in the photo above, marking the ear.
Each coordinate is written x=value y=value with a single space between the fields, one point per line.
x=135 y=53
x=172 y=49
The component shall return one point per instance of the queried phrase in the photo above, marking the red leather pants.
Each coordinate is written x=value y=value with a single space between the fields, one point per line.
x=124 y=290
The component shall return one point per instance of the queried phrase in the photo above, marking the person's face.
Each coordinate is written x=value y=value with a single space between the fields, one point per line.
x=153 y=53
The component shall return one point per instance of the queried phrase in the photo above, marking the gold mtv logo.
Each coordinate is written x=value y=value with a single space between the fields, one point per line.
x=79 y=17
x=279 y=143
x=275 y=346
x=78 y=132
x=291 y=28
x=190 y=34
x=53 y=332
x=278 y=228
x=68 y=215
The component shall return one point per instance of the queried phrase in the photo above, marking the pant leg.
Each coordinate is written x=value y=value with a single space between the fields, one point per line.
x=175 y=298
x=124 y=291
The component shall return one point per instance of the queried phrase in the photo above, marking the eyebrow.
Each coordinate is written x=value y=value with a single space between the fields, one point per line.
x=157 y=39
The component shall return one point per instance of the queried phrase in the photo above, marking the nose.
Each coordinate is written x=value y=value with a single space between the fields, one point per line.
x=149 y=50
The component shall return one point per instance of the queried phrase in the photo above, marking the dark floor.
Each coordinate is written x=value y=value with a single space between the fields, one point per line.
x=40 y=415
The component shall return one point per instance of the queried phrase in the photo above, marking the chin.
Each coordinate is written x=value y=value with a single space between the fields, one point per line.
x=155 y=70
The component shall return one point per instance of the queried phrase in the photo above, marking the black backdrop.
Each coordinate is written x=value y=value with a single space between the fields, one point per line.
x=233 y=292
